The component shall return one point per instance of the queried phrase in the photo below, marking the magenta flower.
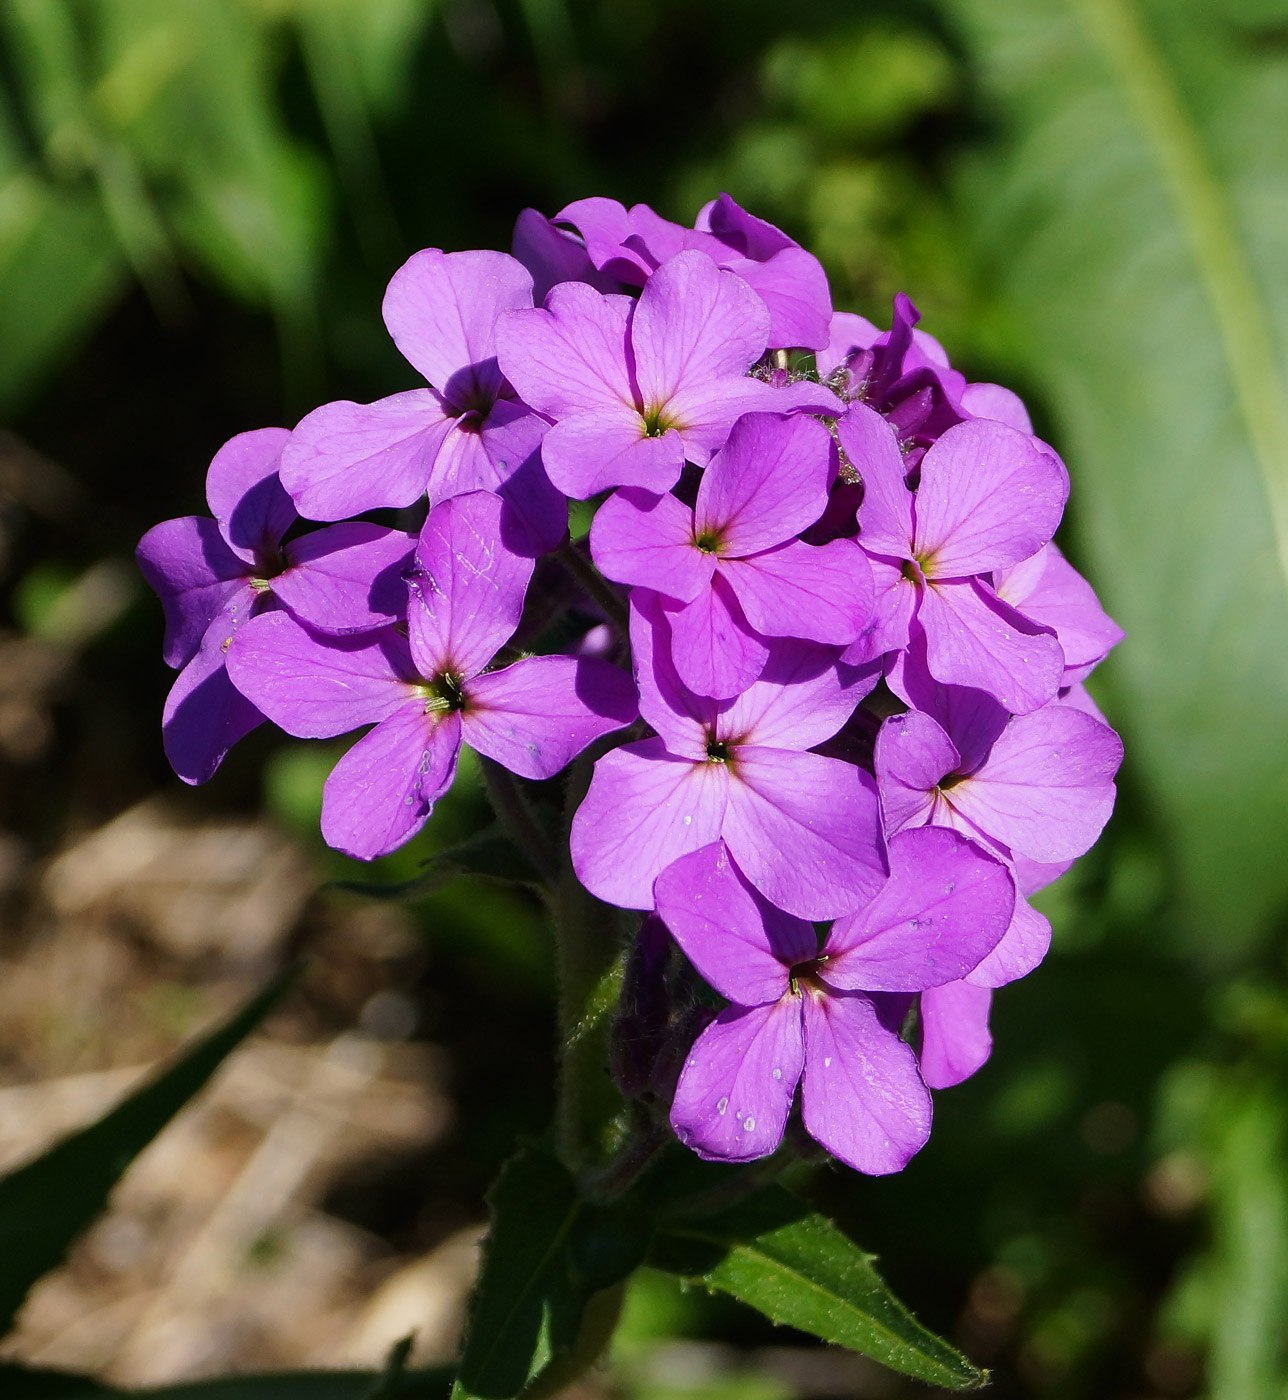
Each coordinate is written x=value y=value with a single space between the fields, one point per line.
x=212 y=575
x=636 y=387
x=988 y=498
x=465 y=432
x=630 y=245
x=955 y=1040
x=821 y=1016
x=427 y=693
x=733 y=562
x=803 y=828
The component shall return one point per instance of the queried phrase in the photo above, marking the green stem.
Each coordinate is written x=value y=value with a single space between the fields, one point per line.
x=518 y=819
x=590 y=962
x=603 y=592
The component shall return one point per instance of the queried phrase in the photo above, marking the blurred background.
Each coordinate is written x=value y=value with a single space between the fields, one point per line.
x=200 y=204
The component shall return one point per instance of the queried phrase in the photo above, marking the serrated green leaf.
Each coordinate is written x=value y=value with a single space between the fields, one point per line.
x=24 y=1383
x=775 y=1254
x=490 y=855
x=46 y=1204
x=546 y=1296
x=1130 y=229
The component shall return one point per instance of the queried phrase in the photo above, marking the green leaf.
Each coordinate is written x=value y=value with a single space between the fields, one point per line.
x=46 y=1204
x=490 y=855
x=23 y=1383
x=1131 y=239
x=775 y=1254
x=548 y=1297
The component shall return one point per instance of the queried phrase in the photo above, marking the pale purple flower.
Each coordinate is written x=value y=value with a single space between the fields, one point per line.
x=955 y=1039
x=465 y=432
x=988 y=498
x=637 y=387
x=733 y=561
x=804 y=828
x=427 y=692
x=823 y=1017
x=212 y=575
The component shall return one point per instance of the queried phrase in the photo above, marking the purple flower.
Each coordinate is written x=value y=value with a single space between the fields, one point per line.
x=630 y=244
x=1035 y=788
x=427 y=692
x=636 y=387
x=823 y=1016
x=214 y=575
x=955 y=1040
x=466 y=432
x=803 y=828
x=733 y=561
x=988 y=498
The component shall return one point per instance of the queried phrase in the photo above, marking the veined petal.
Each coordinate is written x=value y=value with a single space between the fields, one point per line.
x=569 y=357
x=189 y=566
x=346 y=578
x=974 y=639
x=738 y=1082
x=737 y=940
x=894 y=604
x=245 y=495
x=769 y=482
x=871 y=448
x=998 y=403
x=814 y=592
x=644 y=809
x=1023 y=946
x=682 y=718
x=536 y=716
x=861 y=1096
x=847 y=332
x=345 y=458
x=945 y=907
x=913 y=755
x=592 y=452
x=382 y=791
x=802 y=698
x=989 y=497
x=693 y=326
x=1047 y=788
x=704 y=411
x=715 y=650
x=954 y=1033
x=553 y=255
x=512 y=437
x=805 y=830
x=647 y=540
x=316 y=686
x=467 y=587
x=793 y=286
x=205 y=714
x=441 y=310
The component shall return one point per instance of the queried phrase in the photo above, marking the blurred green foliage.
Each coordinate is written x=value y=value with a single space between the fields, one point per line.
x=200 y=202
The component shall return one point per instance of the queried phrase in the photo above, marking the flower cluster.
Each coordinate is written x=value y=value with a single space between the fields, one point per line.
x=819 y=593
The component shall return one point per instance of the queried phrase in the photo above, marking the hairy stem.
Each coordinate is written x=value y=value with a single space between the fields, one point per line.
x=517 y=817
x=603 y=592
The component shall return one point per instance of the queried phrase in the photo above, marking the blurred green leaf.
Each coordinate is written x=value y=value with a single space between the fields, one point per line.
x=775 y=1254
x=549 y=1294
x=1132 y=239
x=46 y=1204
x=286 y=1385
x=490 y=855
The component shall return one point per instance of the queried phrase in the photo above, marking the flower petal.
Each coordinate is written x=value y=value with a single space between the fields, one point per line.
x=805 y=830
x=441 y=310
x=536 y=716
x=737 y=940
x=466 y=587
x=861 y=1094
x=189 y=566
x=945 y=907
x=245 y=495
x=715 y=650
x=346 y=578
x=682 y=718
x=1023 y=946
x=648 y=540
x=913 y=755
x=737 y=1085
x=802 y=698
x=316 y=686
x=382 y=791
x=205 y=714
x=954 y=1033
x=592 y=452
x=767 y=483
x=644 y=809
x=817 y=593
x=989 y=497
x=345 y=458
x=871 y=448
